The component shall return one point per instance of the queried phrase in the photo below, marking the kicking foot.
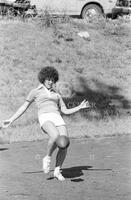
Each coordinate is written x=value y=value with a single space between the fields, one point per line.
x=46 y=164
x=58 y=175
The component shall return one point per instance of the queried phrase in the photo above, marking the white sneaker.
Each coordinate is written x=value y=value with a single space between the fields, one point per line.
x=46 y=164
x=58 y=175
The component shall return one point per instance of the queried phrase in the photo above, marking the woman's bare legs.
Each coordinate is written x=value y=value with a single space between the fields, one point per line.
x=61 y=155
x=53 y=133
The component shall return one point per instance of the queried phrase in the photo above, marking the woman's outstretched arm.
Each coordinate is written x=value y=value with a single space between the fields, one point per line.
x=65 y=110
x=19 y=112
x=30 y=98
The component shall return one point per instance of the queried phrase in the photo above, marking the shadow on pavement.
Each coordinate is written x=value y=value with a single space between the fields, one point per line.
x=34 y=172
x=3 y=149
x=74 y=172
x=77 y=171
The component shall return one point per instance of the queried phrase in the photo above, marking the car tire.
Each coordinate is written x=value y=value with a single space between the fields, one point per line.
x=90 y=11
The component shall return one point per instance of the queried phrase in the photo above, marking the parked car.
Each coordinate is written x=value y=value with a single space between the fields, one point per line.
x=122 y=7
x=84 y=8
x=13 y=8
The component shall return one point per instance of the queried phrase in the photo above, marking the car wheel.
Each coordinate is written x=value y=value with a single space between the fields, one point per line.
x=90 y=11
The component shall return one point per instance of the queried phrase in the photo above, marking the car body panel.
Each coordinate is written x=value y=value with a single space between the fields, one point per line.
x=56 y=6
x=7 y=1
x=106 y=5
x=71 y=6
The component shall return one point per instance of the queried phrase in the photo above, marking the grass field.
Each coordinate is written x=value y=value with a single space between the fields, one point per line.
x=97 y=68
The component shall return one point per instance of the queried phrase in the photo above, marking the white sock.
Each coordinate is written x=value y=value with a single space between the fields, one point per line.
x=57 y=169
x=48 y=156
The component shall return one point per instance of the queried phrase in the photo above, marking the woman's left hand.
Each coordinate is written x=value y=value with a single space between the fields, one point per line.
x=84 y=104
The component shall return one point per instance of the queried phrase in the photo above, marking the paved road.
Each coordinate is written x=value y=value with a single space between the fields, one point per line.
x=94 y=170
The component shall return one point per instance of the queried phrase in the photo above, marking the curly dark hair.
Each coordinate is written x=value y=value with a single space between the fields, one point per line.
x=48 y=73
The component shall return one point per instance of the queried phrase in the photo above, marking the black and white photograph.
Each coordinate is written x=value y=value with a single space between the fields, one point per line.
x=65 y=100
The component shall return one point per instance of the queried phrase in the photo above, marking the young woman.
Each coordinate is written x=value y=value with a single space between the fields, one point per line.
x=49 y=104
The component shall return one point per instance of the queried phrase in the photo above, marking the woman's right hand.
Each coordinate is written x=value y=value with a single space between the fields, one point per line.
x=5 y=124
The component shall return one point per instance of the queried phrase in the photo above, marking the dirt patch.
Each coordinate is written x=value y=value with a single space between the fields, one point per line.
x=94 y=169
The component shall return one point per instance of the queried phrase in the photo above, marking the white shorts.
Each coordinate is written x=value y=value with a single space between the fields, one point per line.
x=53 y=117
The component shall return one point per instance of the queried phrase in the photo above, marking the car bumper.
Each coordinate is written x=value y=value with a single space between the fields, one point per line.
x=121 y=10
